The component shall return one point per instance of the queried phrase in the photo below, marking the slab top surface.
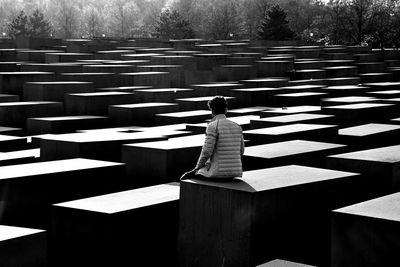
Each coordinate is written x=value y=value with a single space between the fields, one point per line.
x=27 y=103
x=165 y=90
x=59 y=82
x=257 y=89
x=69 y=118
x=94 y=74
x=282 y=149
x=296 y=117
x=174 y=143
x=368 y=129
x=35 y=153
x=126 y=200
x=394 y=99
x=303 y=94
x=202 y=98
x=101 y=94
x=384 y=84
x=247 y=110
x=350 y=99
x=389 y=154
x=280 y=79
x=277 y=178
x=295 y=109
x=386 y=208
x=49 y=167
x=5 y=129
x=212 y=85
x=88 y=137
x=10 y=138
x=359 y=106
x=145 y=73
x=70 y=54
x=183 y=114
x=304 y=86
x=25 y=73
x=287 y=129
x=142 y=55
x=11 y=232
x=386 y=92
x=346 y=87
x=145 y=105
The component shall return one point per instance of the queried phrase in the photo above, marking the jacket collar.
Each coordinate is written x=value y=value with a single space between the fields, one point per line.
x=218 y=117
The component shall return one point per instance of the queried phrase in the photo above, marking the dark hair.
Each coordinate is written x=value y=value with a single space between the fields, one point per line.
x=218 y=105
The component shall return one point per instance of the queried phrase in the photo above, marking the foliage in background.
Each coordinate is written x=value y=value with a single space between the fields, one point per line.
x=275 y=26
x=34 y=25
x=350 y=22
x=171 y=25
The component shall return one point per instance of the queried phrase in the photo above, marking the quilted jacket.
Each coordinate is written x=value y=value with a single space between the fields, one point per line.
x=222 y=150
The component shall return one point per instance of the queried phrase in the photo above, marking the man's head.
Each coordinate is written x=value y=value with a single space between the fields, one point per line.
x=218 y=105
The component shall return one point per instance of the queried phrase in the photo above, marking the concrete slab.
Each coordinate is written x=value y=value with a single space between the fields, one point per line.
x=275 y=197
x=23 y=247
x=346 y=90
x=12 y=82
x=54 y=91
x=162 y=95
x=303 y=98
x=194 y=116
x=301 y=152
x=214 y=89
x=370 y=135
x=313 y=132
x=15 y=114
x=95 y=103
x=156 y=79
x=168 y=159
x=91 y=145
x=290 y=110
x=64 y=124
x=293 y=118
x=142 y=114
x=366 y=234
x=248 y=97
x=32 y=187
x=356 y=114
x=83 y=228
x=378 y=165
x=335 y=101
x=19 y=157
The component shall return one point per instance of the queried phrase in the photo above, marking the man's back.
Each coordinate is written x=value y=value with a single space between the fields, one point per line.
x=226 y=157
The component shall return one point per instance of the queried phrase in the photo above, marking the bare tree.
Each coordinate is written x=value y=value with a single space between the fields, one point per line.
x=122 y=18
x=91 y=21
x=65 y=17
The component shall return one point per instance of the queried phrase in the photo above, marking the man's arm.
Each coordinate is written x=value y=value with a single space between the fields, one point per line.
x=208 y=146
x=242 y=146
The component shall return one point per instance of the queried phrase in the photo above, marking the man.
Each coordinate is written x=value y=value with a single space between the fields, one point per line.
x=220 y=157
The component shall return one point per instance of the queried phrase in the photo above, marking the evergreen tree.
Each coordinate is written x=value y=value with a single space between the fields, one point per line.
x=18 y=26
x=171 y=25
x=38 y=25
x=275 y=26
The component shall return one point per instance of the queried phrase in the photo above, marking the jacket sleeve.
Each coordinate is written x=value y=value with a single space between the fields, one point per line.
x=208 y=146
x=242 y=146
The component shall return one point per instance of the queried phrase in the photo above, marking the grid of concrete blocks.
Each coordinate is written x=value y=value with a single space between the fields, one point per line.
x=95 y=134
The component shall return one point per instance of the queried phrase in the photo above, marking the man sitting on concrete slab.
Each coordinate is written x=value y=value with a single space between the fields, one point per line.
x=220 y=157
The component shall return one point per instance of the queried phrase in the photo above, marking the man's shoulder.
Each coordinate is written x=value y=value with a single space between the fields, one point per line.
x=233 y=124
